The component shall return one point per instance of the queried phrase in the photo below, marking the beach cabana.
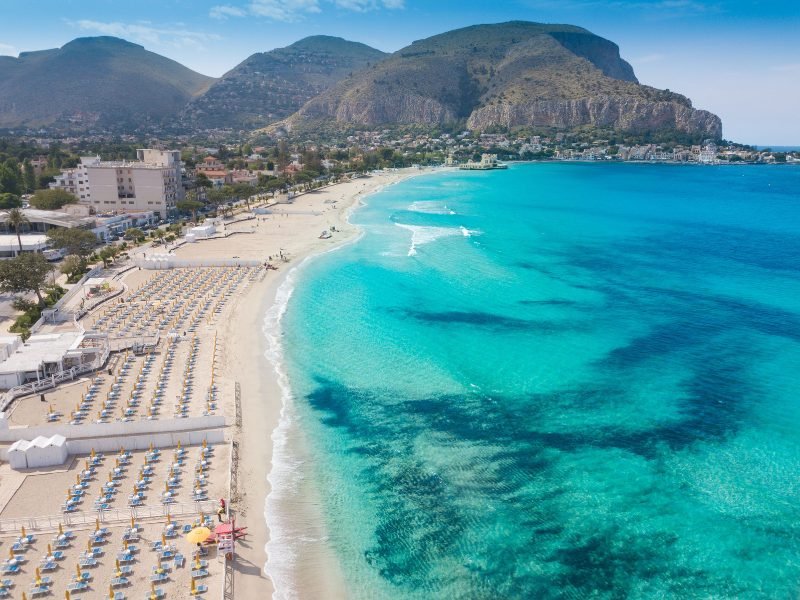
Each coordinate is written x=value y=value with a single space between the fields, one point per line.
x=17 y=454
x=47 y=452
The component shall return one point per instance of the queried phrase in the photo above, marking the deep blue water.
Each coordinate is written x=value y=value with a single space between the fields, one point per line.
x=560 y=380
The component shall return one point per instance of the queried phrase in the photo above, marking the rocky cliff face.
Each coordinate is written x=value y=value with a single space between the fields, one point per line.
x=506 y=75
x=626 y=113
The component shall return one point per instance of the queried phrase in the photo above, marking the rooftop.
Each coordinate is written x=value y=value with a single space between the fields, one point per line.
x=9 y=242
x=42 y=348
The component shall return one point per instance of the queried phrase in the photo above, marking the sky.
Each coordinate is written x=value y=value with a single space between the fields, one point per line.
x=739 y=59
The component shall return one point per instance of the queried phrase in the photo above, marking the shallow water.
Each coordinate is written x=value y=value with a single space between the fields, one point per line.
x=560 y=380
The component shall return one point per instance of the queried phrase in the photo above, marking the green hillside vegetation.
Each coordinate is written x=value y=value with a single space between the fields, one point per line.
x=270 y=86
x=102 y=80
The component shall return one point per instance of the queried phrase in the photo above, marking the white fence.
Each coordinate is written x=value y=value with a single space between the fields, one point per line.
x=92 y=432
x=110 y=516
x=172 y=262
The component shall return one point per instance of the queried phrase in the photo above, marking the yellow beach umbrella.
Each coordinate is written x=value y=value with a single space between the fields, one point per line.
x=11 y=554
x=49 y=550
x=163 y=540
x=198 y=535
x=22 y=530
x=133 y=522
x=193 y=588
x=60 y=529
x=97 y=524
x=116 y=563
x=78 y=574
x=124 y=547
x=66 y=595
x=110 y=592
x=92 y=453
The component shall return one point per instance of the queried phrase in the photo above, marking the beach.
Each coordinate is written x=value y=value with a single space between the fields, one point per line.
x=294 y=230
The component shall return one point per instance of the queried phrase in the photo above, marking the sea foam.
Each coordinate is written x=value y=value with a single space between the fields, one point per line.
x=421 y=235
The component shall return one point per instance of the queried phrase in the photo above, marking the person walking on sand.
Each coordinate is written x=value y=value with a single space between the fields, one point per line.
x=221 y=509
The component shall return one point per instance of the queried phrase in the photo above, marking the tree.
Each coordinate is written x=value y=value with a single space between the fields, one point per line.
x=52 y=199
x=17 y=219
x=9 y=182
x=202 y=180
x=28 y=176
x=71 y=265
x=159 y=234
x=74 y=241
x=25 y=273
x=9 y=201
x=190 y=206
x=134 y=233
x=109 y=254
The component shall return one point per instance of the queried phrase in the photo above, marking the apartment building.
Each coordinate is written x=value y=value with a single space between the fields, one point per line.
x=151 y=183
x=76 y=181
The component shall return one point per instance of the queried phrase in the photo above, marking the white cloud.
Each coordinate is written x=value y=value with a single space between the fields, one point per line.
x=8 y=50
x=365 y=5
x=296 y=10
x=145 y=33
x=224 y=11
x=283 y=10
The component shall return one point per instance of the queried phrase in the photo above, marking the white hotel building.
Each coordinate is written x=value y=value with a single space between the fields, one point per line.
x=150 y=183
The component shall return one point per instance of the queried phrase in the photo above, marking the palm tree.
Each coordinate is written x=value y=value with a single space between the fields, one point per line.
x=16 y=219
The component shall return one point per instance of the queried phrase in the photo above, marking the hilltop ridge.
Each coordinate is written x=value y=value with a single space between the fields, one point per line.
x=506 y=75
x=94 y=81
x=269 y=86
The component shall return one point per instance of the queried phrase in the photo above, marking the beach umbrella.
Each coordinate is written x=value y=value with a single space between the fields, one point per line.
x=11 y=554
x=66 y=595
x=124 y=545
x=163 y=540
x=24 y=596
x=198 y=535
x=78 y=574
x=22 y=530
x=60 y=529
x=116 y=563
x=49 y=550
x=111 y=592
x=153 y=590
x=92 y=453
x=38 y=576
x=193 y=589
x=133 y=522
x=89 y=545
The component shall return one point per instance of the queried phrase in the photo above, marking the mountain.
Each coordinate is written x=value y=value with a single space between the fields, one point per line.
x=102 y=81
x=270 y=86
x=506 y=75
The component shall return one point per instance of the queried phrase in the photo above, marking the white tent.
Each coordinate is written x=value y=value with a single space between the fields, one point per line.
x=46 y=452
x=17 y=454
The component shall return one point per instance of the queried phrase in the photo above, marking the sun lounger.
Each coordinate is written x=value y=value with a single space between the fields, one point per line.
x=120 y=582
x=159 y=578
x=49 y=566
x=200 y=589
x=10 y=569
x=78 y=586
x=197 y=574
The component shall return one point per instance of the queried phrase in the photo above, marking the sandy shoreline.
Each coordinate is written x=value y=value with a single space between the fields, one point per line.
x=294 y=229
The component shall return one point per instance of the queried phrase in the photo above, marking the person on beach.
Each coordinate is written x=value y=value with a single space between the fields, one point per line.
x=221 y=509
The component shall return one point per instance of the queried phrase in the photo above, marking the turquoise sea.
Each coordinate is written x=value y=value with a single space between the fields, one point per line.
x=561 y=380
